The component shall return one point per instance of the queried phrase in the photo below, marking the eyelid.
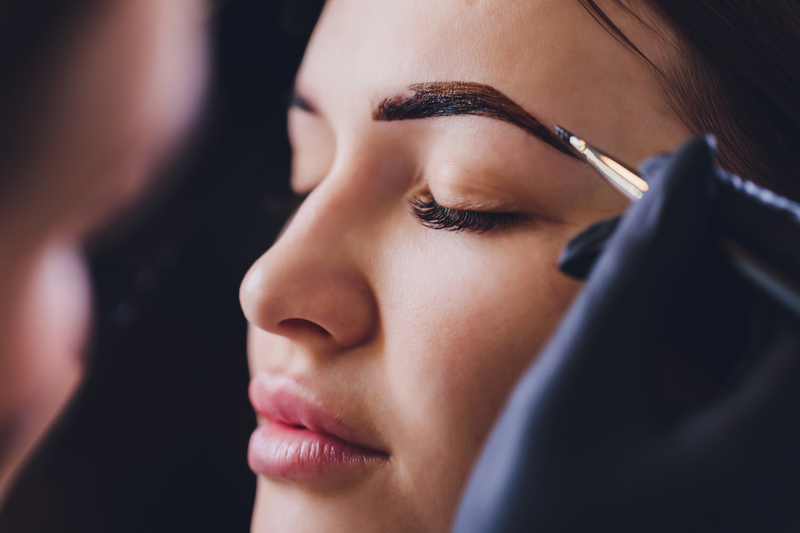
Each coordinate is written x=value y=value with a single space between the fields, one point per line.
x=437 y=217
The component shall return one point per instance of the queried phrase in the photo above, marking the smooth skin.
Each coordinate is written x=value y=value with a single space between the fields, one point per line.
x=412 y=335
x=125 y=82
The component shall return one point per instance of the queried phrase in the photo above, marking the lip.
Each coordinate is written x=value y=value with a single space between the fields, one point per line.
x=300 y=441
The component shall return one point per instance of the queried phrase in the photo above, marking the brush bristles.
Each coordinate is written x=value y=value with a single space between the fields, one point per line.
x=564 y=134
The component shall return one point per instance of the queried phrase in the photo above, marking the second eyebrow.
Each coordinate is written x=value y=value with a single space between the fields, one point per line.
x=442 y=99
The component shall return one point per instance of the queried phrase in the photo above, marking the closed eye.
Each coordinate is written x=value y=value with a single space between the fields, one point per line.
x=435 y=216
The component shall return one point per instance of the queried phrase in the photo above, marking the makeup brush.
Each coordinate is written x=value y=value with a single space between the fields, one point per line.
x=620 y=176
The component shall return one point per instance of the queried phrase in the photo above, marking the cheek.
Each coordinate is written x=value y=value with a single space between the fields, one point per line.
x=46 y=335
x=471 y=318
x=58 y=310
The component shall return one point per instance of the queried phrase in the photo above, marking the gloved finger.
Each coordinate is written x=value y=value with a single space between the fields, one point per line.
x=582 y=252
x=761 y=220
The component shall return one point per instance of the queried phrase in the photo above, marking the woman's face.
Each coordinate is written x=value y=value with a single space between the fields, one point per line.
x=382 y=345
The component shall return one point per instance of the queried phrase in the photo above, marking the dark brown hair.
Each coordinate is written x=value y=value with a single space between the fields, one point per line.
x=738 y=78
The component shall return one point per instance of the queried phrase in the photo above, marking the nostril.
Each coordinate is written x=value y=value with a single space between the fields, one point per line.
x=298 y=326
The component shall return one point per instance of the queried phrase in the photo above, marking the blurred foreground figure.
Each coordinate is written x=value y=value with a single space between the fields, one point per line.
x=93 y=97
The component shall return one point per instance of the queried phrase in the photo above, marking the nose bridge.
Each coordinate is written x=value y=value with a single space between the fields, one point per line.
x=310 y=286
x=329 y=210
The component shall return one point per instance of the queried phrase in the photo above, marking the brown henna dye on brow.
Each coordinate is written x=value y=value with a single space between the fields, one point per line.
x=444 y=99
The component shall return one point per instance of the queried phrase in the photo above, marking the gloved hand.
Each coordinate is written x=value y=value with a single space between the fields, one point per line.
x=669 y=397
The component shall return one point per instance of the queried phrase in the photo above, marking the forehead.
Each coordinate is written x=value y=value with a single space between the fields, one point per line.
x=550 y=56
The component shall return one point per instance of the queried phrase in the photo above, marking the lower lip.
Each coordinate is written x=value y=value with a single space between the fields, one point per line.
x=299 y=454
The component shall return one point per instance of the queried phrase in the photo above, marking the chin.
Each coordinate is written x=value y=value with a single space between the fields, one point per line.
x=370 y=508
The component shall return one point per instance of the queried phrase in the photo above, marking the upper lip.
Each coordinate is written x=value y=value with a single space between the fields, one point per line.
x=283 y=400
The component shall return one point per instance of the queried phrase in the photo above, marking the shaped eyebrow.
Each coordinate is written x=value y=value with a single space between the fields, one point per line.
x=444 y=99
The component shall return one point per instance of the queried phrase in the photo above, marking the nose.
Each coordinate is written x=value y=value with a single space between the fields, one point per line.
x=309 y=286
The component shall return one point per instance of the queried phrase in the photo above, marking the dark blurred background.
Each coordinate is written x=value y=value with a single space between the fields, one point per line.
x=156 y=439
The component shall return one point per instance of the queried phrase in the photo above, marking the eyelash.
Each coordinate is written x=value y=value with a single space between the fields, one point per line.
x=434 y=216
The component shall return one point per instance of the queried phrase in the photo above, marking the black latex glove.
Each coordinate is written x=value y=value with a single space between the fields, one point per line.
x=623 y=424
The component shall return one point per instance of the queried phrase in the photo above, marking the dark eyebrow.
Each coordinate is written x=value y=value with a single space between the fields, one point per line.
x=444 y=99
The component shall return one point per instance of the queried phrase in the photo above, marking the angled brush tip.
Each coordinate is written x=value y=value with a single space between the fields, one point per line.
x=561 y=132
